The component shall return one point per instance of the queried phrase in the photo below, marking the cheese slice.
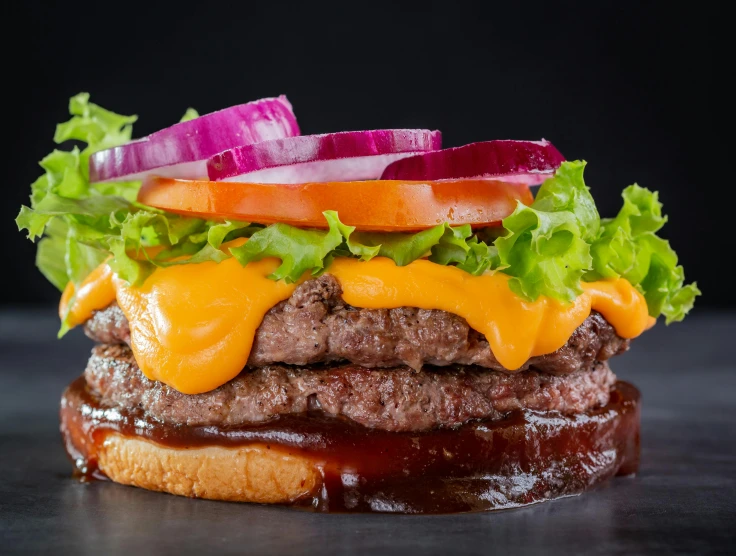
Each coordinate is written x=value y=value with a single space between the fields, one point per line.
x=192 y=326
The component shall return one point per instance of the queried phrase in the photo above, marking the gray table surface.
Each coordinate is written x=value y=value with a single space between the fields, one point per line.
x=682 y=501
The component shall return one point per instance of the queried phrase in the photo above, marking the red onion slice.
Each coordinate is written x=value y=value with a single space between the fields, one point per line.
x=528 y=162
x=345 y=156
x=182 y=150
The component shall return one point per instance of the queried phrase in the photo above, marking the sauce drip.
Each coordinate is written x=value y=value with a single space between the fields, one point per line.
x=524 y=458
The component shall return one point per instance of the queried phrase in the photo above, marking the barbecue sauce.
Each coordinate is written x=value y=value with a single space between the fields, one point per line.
x=525 y=458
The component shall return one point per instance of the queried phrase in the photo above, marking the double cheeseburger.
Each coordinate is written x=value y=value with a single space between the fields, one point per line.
x=355 y=321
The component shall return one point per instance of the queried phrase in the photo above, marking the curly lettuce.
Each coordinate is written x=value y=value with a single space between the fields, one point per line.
x=560 y=240
x=548 y=248
x=81 y=224
x=628 y=247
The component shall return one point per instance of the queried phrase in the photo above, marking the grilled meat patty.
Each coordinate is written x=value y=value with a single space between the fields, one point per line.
x=394 y=399
x=315 y=325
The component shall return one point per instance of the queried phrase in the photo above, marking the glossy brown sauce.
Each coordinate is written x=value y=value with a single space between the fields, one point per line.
x=525 y=458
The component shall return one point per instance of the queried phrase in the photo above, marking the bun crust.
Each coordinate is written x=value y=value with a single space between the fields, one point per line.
x=253 y=473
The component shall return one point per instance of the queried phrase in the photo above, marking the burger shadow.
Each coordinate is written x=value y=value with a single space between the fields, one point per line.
x=110 y=518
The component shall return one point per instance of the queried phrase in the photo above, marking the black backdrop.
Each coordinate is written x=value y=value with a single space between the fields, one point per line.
x=628 y=88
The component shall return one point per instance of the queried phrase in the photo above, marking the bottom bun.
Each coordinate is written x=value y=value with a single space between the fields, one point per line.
x=253 y=473
x=331 y=464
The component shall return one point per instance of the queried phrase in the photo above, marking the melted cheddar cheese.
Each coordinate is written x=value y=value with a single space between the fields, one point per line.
x=96 y=292
x=192 y=326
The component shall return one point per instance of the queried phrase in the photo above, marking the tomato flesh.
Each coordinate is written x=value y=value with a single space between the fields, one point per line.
x=387 y=205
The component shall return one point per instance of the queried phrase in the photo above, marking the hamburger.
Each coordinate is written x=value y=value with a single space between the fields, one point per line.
x=354 y=321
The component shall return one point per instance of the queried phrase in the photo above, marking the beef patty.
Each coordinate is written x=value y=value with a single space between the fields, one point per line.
x=396 y=399
x=315 y=325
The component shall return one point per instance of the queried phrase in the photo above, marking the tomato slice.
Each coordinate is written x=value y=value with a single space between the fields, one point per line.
x=386 y=205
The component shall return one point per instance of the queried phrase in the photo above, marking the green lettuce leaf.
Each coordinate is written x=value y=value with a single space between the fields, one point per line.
x=206 y=246
x=567 y=192
x=364 y=251
x=551 y=245
x=300 y=250
x=83 y=223
x=99 y=128
x=50 y=254
x=132 y=269
x=442 y=244
x=219 y=233
x=312 y=251
x=34 y=224
x=546 y=248
x=628 y=247
x=402 y=248
x=481 y=258
x=190 y=114
x=72 y=214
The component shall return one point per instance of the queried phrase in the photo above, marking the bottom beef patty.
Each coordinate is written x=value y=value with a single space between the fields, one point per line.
x=395 y=399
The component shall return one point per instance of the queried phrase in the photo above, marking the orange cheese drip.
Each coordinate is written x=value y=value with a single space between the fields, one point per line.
x=95 y=292
x=192 y=326
x=516 y=329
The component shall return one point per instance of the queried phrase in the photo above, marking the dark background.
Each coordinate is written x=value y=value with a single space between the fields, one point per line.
x=628 y=87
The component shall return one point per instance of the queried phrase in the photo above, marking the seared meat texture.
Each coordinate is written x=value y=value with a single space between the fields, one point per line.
x=394 y=399
x=315 y=325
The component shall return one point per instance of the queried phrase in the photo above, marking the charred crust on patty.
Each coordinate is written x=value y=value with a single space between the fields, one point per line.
x=396 y=399
x=315 y=325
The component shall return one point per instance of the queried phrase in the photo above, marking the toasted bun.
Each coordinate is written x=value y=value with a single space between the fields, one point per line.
x=251 y=473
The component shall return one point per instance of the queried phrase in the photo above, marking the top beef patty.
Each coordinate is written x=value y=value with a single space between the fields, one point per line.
x=315 y=325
